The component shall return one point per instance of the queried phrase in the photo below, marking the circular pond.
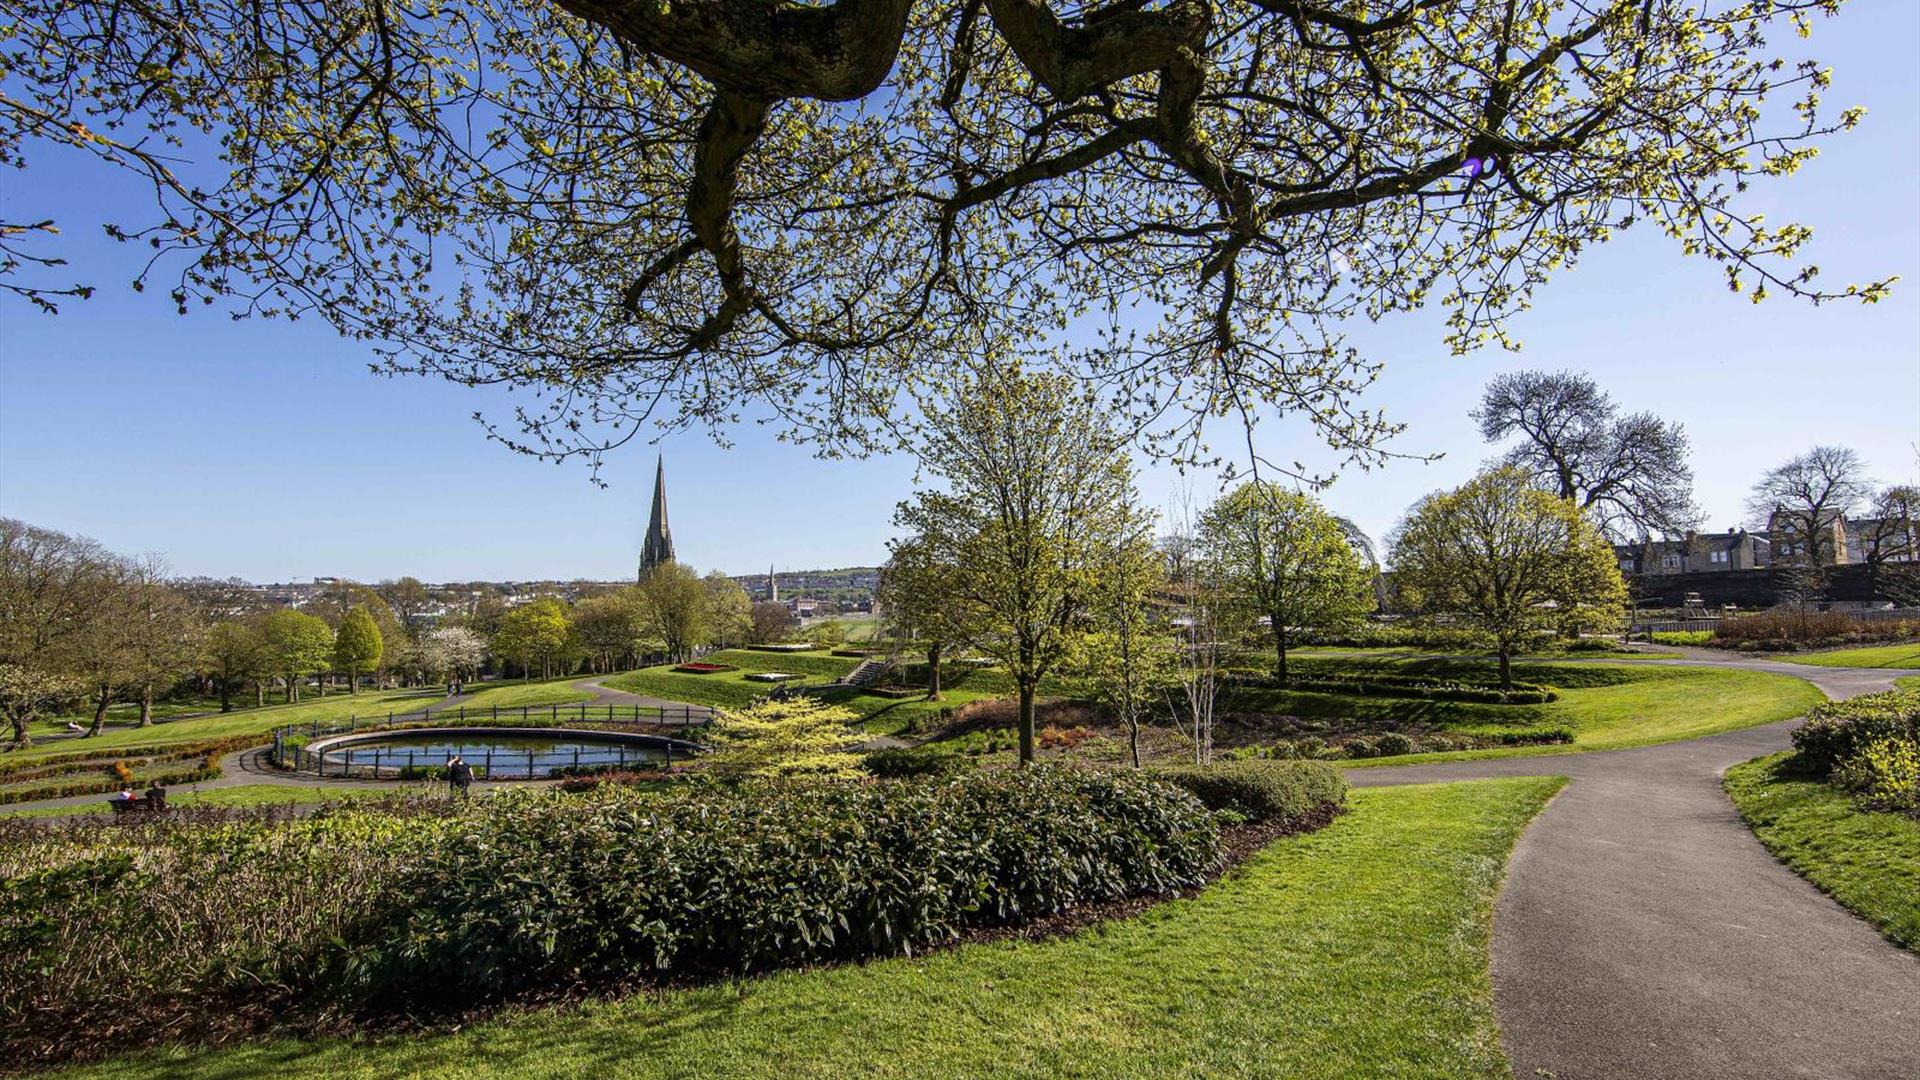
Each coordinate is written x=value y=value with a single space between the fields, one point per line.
x=494 y=753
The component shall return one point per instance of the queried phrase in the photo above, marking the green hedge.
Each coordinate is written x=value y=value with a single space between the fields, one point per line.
x=1261 y=790
x=1402 y=686
x=917 y=762
x=1838 y=730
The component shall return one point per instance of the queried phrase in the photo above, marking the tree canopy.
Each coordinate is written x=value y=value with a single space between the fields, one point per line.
x=668 y=213
x=1509 y=559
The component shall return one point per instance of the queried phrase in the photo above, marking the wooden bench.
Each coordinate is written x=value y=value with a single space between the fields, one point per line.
x=139 y=805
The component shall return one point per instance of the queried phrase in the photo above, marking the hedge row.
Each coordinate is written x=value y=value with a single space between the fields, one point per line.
x=460 y=903
x=1278 y=791
x=1393 y=744
x=1403 y=686
x=1867 y=745
x=207 y=769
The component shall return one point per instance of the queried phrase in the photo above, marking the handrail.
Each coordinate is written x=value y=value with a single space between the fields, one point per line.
x=685 y=718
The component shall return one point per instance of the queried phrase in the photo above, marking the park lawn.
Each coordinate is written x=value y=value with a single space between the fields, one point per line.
x=878 y=715
x=1638 y=706
x=329 y=709
x=1903 y=655
x=1869 y=862
x=238 y=795
x=505 y=695
x=1357 y=951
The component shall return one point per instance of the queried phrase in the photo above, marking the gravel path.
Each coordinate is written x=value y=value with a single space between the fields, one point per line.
x=1643 y=932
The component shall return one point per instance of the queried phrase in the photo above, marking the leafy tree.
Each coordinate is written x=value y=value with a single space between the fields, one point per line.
x=409 y=601
x=1289 y=560
x=916 y=598
x=1125 y=661
x=1630 y=473
x=1035 y=479
x=535 y=633
x=1804 y=504
x=610 y=627
x=236 y=653
x=1508 y=558
x=828 y=632
x=298 y=645
x=674 y=606
x=453 y=650
x=659 y=210
x=800 y=737
x=27 y=693
x=729 y=610
x=163 y=636
x=357 y=646
x=771 y=622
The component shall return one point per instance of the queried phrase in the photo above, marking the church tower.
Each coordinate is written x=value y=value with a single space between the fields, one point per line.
x=773 y=585
x=659 y=545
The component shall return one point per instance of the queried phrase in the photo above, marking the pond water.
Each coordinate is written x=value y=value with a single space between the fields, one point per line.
x=500 y=755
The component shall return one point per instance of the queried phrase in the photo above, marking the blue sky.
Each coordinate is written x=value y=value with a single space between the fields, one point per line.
x=267 y=450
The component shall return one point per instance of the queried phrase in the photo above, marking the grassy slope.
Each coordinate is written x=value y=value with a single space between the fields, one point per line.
x=1869 y=862
x=1654 y=705
x=330 y=708
x=731 y=690
x=238 y=795
x=1904 y=655
x=1358 y=951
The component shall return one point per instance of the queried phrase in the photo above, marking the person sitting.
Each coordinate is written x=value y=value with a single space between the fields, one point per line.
x=74 y=727
x=156 y=797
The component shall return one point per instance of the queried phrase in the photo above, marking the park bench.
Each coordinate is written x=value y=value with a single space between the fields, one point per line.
x=139 y=804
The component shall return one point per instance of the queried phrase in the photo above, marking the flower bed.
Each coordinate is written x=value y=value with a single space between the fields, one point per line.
x=699 y=668
x=770 y=676
x=791 y=646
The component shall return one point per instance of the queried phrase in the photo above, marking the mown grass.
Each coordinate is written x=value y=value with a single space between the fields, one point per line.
x=1869 y=862
x=513 y=695
x=1357 y=951
x=237 y=795
x=333 y=707
x=1606 y=708
x=1904 y=655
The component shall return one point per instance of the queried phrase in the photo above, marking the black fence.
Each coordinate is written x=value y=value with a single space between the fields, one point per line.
x=289 y=749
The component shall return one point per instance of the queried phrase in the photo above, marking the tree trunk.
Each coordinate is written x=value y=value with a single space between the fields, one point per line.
x=1133 y=737
x=100 y=712
x=933 y=673
x=1026 y=722
x=1506 y=666
x=226 y=694
x=293 y=688
x=21 y=740
x=146 y=705
x=259 y=693
x=1280 y=647
x=353 y=680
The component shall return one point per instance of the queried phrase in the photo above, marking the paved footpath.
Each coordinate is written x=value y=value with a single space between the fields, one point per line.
x=1644 y=933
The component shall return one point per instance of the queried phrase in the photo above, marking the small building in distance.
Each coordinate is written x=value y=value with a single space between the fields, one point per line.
x=1735 y=549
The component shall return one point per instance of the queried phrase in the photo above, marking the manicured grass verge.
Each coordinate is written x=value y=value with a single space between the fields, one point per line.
x=1904 y=655
x=1656 y=705
x=1869 y=862
x=238 y=795
x=1360 y=950
x=512 y=695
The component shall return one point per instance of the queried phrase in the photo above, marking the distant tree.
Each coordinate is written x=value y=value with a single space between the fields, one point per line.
x=729 y=610
x=770 y=622
x=1508 y=558
x=798 y=738
x=1126 y=660
x=52 y=592
x=235 y=653
x=610 y=626
x=101 y=652
x=916 y=599
x=1804 y=504
x=1034 y=478
x=1891 y=534
x=453 y=650
x=298 y=645
x=1281 y=554
x=674 y=607
x=1629 y=473
x=164 y=636
x=357 y=646
x=409 y=600
x=828 y=632
x=536 y=633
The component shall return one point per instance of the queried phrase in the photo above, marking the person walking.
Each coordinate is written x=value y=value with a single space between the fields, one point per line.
x=460 y=775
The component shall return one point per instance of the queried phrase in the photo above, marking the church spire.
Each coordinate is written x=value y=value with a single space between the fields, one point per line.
x=659 y=544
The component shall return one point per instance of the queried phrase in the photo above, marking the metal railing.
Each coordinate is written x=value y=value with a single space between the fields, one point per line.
x=288 y=751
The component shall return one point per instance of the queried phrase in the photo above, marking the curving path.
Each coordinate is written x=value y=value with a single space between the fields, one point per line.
x=1644 y=933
